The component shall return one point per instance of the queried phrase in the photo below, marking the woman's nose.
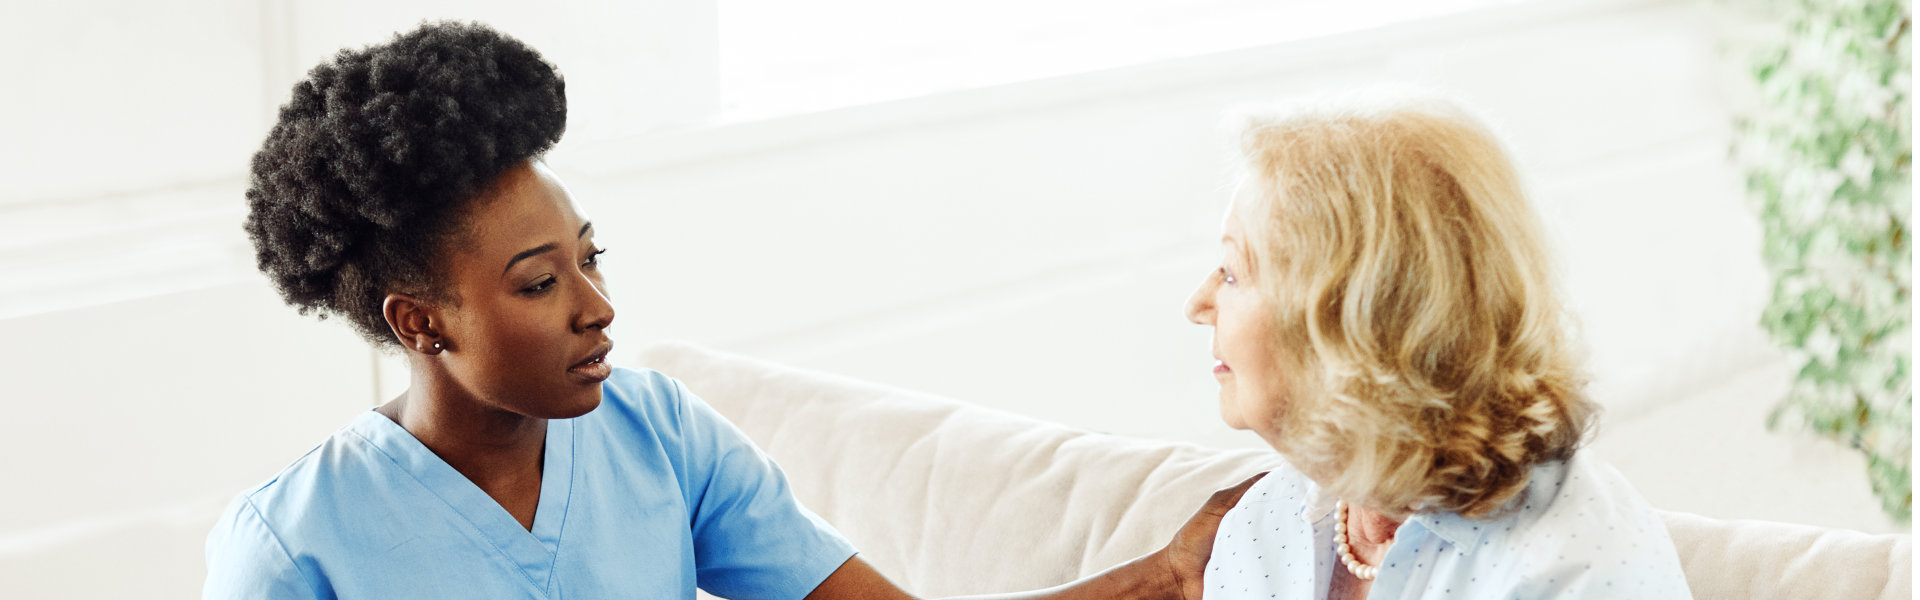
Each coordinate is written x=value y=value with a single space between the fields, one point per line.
x=596 y=311
x=1200 y=304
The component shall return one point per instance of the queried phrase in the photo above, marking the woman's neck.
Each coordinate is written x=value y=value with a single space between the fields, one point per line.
x=488 y=445
x=1369 y=527
x=501 y=452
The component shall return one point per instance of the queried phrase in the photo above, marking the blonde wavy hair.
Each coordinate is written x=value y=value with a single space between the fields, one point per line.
x=1411 y=284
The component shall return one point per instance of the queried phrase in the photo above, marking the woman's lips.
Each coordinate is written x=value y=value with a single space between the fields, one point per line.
x=1220 y=367
x=595 y=368
x=594 y=372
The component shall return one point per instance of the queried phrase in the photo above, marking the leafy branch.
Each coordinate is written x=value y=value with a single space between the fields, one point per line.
x=1828 y=162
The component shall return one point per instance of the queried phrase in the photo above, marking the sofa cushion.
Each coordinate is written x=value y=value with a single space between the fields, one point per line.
x=1763 y=560
x=949 y=498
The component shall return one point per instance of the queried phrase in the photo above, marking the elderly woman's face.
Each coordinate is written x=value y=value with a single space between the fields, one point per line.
x=1245 y=340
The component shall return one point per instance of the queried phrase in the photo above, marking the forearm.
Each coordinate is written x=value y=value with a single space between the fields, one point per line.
x=1171 y=573
x=1143 y=578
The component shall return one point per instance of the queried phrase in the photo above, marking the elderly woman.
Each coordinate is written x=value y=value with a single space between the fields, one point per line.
x=1385 y=318
x=403 y=192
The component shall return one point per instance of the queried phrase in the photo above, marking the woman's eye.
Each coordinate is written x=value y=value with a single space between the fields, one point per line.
x=540 y=286
x=1225 y=276
x=593 y=260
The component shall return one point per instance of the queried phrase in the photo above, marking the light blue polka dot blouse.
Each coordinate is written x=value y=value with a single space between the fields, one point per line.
x=1580 y=531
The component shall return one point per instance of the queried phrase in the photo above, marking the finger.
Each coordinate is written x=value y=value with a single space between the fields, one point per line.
x=1223 y=500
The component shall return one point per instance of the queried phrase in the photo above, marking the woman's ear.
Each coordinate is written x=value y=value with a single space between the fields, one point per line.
x=413 y=323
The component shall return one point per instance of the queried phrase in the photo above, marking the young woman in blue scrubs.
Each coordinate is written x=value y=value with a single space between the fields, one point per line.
x=403 y=192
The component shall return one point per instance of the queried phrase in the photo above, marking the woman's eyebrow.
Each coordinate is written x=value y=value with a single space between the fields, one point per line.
x=547 y=247
x=1237 y=250
x=529 y=253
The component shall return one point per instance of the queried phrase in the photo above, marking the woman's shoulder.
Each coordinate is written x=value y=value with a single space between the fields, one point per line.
x=333 y=478
x=1284 y=484
x=1283 y=499
x=1581 y=521
x=644 y=408
x=640 y=384
x=644 y=397
x=1566 y=500
x=1574 y=494
x=344 y=458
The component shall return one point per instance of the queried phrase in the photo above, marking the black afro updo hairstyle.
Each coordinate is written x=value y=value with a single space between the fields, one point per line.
x=376 y=159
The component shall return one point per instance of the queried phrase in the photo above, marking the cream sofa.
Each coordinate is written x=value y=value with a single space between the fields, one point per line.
x=949 y=498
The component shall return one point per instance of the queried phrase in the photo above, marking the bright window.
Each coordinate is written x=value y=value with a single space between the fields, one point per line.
x=783 y=57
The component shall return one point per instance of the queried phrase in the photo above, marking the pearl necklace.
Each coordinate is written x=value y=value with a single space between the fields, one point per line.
x=1360 y=570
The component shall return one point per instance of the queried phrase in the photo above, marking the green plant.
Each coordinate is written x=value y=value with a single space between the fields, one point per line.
x=1828 y=161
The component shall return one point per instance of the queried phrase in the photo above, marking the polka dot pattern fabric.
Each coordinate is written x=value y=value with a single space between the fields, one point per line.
x=1579 y=531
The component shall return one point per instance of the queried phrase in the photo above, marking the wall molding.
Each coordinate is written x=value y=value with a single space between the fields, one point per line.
x=192 y=513
x=105 y=249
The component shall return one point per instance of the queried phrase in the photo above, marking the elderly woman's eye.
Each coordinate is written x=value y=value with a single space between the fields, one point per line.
x=1225 y=276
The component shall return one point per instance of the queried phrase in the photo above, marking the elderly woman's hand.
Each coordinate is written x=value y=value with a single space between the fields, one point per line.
x=1186 y=556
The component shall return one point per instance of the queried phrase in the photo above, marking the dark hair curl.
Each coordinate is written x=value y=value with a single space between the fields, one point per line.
x=380 y=153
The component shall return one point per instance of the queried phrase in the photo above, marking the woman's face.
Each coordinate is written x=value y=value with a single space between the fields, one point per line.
x=528 y=331
x=1245 y=339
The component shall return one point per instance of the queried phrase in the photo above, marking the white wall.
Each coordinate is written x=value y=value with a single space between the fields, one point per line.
x=1026 y=247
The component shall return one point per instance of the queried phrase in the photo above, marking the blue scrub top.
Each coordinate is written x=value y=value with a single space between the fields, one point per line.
x=647 y=496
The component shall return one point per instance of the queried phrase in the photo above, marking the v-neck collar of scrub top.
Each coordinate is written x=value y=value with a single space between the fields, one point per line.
x=534 y=550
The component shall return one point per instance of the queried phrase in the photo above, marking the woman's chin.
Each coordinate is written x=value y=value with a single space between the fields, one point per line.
x=1230 y=412
x=573 y=407
x=587 y=407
